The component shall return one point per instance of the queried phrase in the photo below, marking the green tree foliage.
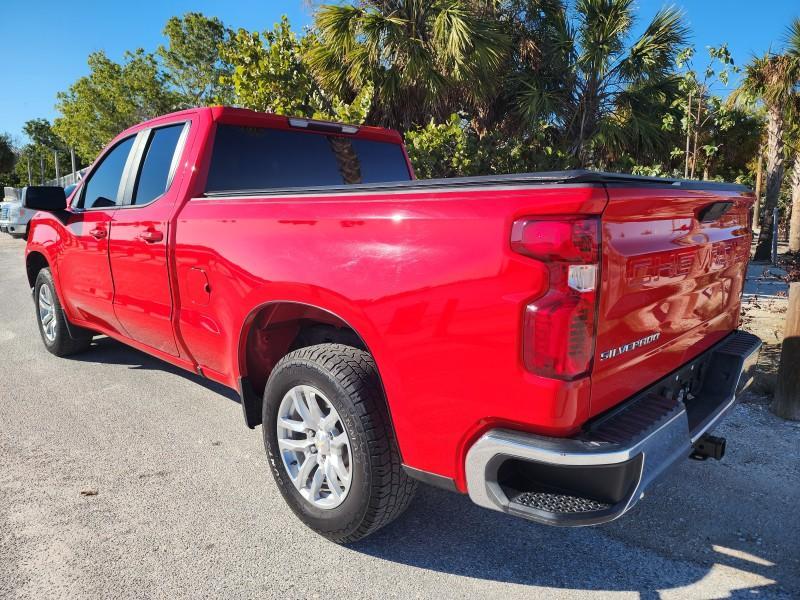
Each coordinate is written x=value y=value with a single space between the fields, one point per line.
x=272 y=75
x=701 y=111
x=510 y=65
x=455 y=148
x=771 y=79
x=8 y=158
x=192 y=60
x=112 y=97
x=39 y=152
x=707 y=136
x=476 y=86
x=40 y=133
x=605 y=91
x=7 y=155
x=793 y=51
x=420 y=57
x=269 y=73
x=446 y=149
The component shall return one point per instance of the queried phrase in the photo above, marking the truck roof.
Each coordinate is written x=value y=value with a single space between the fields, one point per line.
x=231 y=114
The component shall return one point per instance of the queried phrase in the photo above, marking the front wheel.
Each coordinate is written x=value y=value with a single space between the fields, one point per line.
x=53 y=325
x=330 y=442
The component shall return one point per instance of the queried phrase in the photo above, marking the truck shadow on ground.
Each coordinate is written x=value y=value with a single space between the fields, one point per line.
x=445 y=532
x=108 y=351
x=685 y=535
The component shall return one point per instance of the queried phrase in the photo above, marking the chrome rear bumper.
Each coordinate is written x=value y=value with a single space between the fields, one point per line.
x=598 y=476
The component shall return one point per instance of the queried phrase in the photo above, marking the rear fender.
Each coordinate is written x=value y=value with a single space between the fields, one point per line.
x=251 y=373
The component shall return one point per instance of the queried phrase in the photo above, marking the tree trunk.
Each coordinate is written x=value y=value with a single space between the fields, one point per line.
x=786 y=403
x=759 y=173
x=688 y=137
x=696 y=133
x=774 y=179
x=794 y=224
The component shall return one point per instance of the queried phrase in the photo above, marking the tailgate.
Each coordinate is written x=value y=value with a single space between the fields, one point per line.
x=673 y=267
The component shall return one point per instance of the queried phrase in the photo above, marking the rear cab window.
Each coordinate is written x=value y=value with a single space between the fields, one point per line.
x=259 y=158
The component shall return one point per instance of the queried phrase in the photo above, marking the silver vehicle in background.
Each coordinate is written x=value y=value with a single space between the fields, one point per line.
x=9 y=209
x=14 y=217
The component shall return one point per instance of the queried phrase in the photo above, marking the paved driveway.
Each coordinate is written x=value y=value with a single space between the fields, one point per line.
x=185 y=506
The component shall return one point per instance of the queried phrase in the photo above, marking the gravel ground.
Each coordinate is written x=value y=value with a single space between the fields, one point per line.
x=181 y=503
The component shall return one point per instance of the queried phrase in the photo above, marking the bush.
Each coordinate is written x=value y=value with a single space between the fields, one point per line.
x=454 y=149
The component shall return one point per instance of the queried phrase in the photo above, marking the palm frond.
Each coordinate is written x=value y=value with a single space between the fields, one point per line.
x=601 y=31
x=655 y=51
x=771 y=78
x=793 y=37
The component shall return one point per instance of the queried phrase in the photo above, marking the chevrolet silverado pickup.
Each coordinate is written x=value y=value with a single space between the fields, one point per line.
x=548 y=343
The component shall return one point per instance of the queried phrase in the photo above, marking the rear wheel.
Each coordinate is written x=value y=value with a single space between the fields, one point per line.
x=330 y=442
x=53 y=325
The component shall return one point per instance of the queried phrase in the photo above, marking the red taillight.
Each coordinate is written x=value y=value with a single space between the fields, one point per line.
x=563 y=240
x=559 y=327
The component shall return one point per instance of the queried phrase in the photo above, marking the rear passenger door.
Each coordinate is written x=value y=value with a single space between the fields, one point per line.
x=140 y=230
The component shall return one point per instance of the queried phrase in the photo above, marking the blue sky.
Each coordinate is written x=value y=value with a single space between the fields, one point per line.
x=45 y=43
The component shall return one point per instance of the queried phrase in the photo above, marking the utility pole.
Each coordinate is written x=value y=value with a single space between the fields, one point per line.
x=72 y=159
x=786 y=403
x=58 y=171
x=30 y=172
x=41 y=168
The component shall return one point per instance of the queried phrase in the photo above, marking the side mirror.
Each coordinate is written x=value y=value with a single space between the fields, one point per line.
x=43 y=197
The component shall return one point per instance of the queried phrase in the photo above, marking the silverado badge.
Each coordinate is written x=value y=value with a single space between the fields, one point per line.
x=629 y=346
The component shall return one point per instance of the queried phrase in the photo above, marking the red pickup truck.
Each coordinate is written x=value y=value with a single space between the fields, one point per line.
x=547 y=343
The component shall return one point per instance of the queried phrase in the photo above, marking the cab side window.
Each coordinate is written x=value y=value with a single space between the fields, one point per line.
x=155 y=173
x=103 y=189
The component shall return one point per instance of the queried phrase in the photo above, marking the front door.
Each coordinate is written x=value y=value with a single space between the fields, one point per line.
x=138 y=246
x=84 y=271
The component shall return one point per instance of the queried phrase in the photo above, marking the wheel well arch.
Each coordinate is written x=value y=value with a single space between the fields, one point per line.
x=35 y=262
x=274 y=329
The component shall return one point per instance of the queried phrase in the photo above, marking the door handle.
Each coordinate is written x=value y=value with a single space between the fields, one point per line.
x=98 y=233
x=151 y=236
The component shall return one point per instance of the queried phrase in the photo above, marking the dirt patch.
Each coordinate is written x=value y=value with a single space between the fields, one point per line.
x=790 y=262
x=765 y=318
x=764 y=306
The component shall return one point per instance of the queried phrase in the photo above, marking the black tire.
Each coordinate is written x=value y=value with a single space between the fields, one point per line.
x=380 y=489
x=63 y=344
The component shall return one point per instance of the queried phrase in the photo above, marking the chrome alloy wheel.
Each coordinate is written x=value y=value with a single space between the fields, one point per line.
x=47 y=313
x=314 y=446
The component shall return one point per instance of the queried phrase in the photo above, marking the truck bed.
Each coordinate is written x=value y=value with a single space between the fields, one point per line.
x=576 y=176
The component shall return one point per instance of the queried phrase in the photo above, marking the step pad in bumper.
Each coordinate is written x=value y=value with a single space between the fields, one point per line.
x=600 y=474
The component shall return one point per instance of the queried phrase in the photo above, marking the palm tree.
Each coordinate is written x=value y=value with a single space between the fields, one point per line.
x=794 y=223
x=793 y=50
x=771 y=79
x=792 y=151
x=606 y=94
x=416 y=53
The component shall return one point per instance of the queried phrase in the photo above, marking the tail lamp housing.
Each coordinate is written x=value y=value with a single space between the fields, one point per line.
x=558 y=337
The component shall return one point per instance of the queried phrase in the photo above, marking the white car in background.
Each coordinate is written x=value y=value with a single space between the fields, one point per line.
x=14 y=217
